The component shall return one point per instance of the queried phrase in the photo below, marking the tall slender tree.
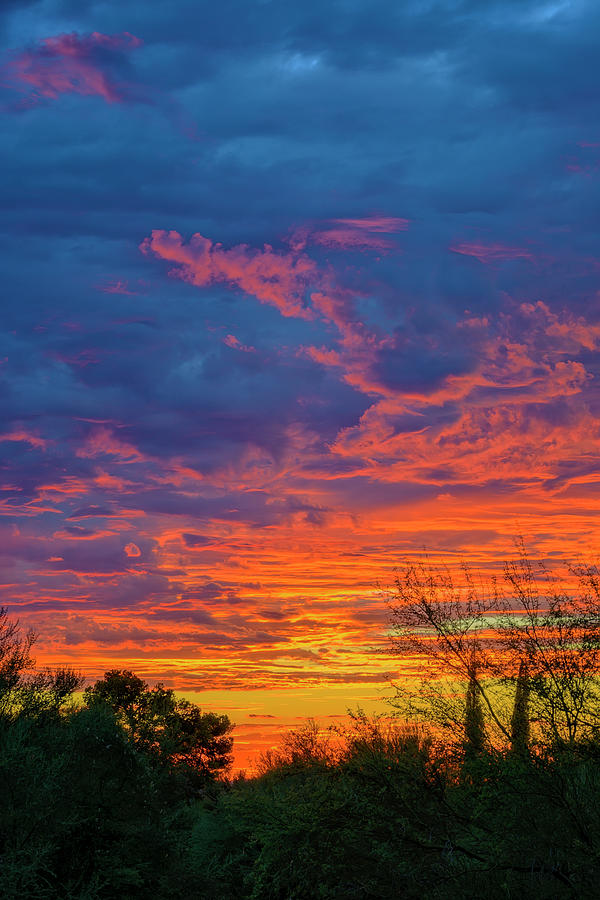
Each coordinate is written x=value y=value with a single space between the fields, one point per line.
x=475 y=737
x=519 y=724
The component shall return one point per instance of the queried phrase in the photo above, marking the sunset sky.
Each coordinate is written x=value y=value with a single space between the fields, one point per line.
x=291 y=291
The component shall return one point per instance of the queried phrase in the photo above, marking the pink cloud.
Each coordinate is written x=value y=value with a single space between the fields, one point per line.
x=351 y=234
x=289 y=280
x=386 y=224
x=87 y=357
x=132 y=550
x=488 y=253
x=234 y=343
x=69 y=63
x=116 y=287
x=24 y=436
x=280 y=279
x=103 y=442
x=325 y=357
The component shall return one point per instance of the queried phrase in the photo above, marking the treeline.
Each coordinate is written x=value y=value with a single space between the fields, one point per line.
x=380 y=814
x=390 y=814
x=495 y=794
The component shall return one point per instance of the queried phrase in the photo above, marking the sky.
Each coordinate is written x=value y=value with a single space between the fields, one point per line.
x=291 y=292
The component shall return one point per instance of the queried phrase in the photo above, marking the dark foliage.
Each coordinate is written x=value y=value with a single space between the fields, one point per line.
x=95 y=799
x=172 y=733
x=391 y=816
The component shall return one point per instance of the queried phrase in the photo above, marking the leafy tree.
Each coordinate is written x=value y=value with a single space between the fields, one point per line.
x=174 y=732
x=81 y=813
x=94 y=799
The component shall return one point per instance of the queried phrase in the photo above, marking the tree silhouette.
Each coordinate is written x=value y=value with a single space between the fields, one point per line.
x=519 y=723
x=172 y=731
x=474 y=721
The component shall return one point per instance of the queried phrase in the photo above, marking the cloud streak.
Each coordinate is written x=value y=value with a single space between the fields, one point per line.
x=277 y=278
